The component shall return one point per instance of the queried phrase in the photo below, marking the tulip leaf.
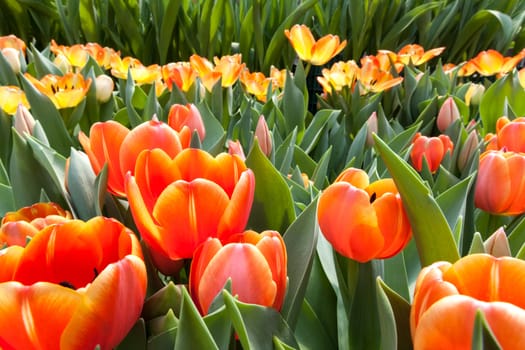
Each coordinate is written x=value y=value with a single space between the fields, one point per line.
x=7 y=200
x=220 y=326
x=476 y=246
x=192 y=332
x=433 y=235
x=136 y=338
x=215 y=134
x=81 y=180
x=517 y=236
x=5 y=136
x=163 y=323
x=310 y=331
x=482 y=337
x=387 y=322
x=316 y=128
x=273 y=206
x=134 y=118
x=43 y=65
x=395 y=274
x=162 y=341
x=399 y=308
x=7 y=76
x=294 y=109
x=255 y=325
x=301 y=241
x=167 y=298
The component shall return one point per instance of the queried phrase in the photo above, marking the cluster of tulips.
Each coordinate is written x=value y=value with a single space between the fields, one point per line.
x=76 y=284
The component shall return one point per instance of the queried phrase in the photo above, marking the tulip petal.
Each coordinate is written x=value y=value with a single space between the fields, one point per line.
x=9 y=259
x=302 y=40
x=393 y=224
x=272 y=246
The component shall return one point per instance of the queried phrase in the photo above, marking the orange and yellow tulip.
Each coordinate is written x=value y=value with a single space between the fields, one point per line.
x=500 y=185
x=432 y=149
x=254 y=263
x=140 y=73
x=188 y=115
x=340 y=75
x=416 y=54
x=12 y=41
x=10 y=97
x=180 y=74
x=510 y=135
x=492 y=62
x=112 y=143
x=64 y=91
x=76 y=285
x=256 y=84
x=309 y=50
x=227 y=68
x=77 y=55
x=363 y=221
x=374 y=78
x=448 y=296
x=26 y=222
x=179 y=202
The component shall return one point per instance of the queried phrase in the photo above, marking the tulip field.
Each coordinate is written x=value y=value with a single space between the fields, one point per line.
x=236 y=174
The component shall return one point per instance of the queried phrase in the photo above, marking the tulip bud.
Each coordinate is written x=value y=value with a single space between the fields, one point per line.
x=474 y=94
x=371 y=125
x=497 y=244
x=104 y=86
x=12 y=57
x=186 y=115
x=433 y=149
x=448 y=114
x=235 y=147
x=468 y=149
x=263 y=136
x=62 y=63
x=23 y=120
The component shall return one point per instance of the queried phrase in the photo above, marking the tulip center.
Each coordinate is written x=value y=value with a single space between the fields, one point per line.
x=373 y=197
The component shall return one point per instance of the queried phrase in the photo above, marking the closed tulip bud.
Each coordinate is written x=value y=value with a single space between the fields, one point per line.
x=448 y=296
x=23 y=120
x=448 y=114
x=12 y=57
x=432 y=149
x=104 y=86
x=254 y=263
x=62 y=63
x=263 y=136
x=371 y=125
x=474 y=94
x=235 y=147
x=500 y=185
x=363 y=221
x=186 y=115
x=468 y=150
x=497 y=244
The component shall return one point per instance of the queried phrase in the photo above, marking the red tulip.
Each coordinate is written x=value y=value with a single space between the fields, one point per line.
x=26 y=222
x=186 y=115
x=363 y=221
x=447 y=297
x=179 y=203
x=500 y=185
x=433 y=149
x=76 y=285
x=112 y=143
x=255 y=264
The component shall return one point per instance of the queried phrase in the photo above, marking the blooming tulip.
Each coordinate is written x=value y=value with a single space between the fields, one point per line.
x=309 y=50
x=448 y=296
x=140 y=73
x=510 y=135
x=10 y=97
x=254 y=263
x=363 y=221
x=178 y=203
x=12 y=41
x=180 y=74
x=64 y=91
x=416 y=54
x=186 y=115
x=26 y=222
x=112 y=143
x=492 y=62
x=432 y=149
x=500 y=185
x=76 y=285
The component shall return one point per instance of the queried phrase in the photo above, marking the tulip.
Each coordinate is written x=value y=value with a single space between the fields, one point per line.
x=363 y=221
x=18 y=225
x=309 y=50
x=371 y=128
x=13 y=42
x=12 y=56
x=64 y=91
x=492 y=62
x=500 y=185
x=178 y=203
x=140 y=73
x=236 y=148
x=474 y=94
x=104 y=86
x=256 y=84
x=75 y=286
x=448 y=296
x=186 y=115
x=11 y=97
x=254 y=263
x=497 y=244
x=510 y=135
x=374 y=78
x=447 y=115
x=112 y=143
x=416 y=54
x=101 y=54
x=23 y=120
x=468 y=149
x=180 y=74
x=432 y=149
x=339 y=76
x=262 y=133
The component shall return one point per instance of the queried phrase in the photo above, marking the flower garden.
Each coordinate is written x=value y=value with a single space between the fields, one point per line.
x=234 y=174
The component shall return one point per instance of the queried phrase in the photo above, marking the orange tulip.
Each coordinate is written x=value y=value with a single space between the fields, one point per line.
x=432 y=149
x=178 y=203
x=309 y=50
x=256 y=84
x=500 y=186
x=491 y=62
x=77 y=55
x=255 y=264
x=101 y=54
x=188 y=115
x=26 y=222
x=112 y=143
x=227 y=68
x=510 y=135
x=374 y=78
x=64 y=91
x=11 y=97
x=180 y=74
x=12 y=41
x=76 y=285
x=363 y=221
x=447 y=297
x=417 y=55
x=340 y=75
x=140 y=73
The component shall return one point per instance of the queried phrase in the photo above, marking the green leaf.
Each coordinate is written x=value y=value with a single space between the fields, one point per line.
x=310 y=330
x=192 y=332
x=301 y=241
x=482 y=337
x=294 y=109
x=433 y=235
x=273 y=206
x=220 y=327
x=169 y=297
x=81 y=181
x=316 y=127
x=163 y=323
x=136 y=338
